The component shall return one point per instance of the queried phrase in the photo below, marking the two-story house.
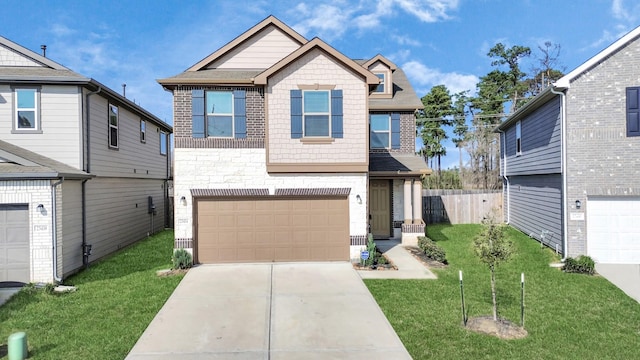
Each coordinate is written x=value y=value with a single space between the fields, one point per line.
x=80 y=166
x=569 y=159
x=286 y=149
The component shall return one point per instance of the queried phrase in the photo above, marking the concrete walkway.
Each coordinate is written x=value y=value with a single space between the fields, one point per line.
x=408 y=266
x=625 y=277
x=270 y=311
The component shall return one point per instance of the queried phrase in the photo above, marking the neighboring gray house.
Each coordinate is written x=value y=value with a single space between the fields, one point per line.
x=79 y=165
x=570 y=161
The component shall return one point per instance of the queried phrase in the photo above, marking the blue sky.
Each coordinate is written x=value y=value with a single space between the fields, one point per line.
x=434 y=41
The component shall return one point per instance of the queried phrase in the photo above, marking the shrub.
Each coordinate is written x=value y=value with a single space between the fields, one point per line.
x=371 y=248
x=582 y=264
x=431 y=249
x=181 y=259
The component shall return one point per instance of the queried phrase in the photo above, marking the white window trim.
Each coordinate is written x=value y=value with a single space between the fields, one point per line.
x=232 y=114
x=304 y=115
x=518 y=138
x=15 y=129
x=143 y=131
x=380 y=132
x=111 y=126
x=163 y=136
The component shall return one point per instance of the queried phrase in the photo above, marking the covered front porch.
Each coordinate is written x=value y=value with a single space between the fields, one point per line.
x=395 y=196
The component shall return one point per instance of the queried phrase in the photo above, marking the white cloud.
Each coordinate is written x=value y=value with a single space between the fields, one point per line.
x=333 y=18
x=424 y=78
x=405 y=40
x=627 y=17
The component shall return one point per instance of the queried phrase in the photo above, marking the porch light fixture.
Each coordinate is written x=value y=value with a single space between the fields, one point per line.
x=40 y=209
x=183 y=201
x=359 y=199
x=578 y=204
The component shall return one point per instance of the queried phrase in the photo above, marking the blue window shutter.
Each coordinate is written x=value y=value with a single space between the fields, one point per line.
x=197 y=113
x=240 y=114
x=633 y=111
x=296 y=114
x=336 y=114
x=395 y=130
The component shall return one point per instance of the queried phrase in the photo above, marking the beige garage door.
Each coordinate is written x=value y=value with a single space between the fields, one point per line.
x=284 y=229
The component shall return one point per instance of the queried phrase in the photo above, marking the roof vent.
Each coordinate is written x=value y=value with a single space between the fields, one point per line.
x=44 y=50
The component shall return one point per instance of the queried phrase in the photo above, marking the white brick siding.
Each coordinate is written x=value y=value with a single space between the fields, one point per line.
x=33 y=193
x=246 y=168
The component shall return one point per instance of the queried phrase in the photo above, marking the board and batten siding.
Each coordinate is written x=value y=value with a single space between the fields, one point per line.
x=259 y=52
x=70 y=203
x=132 y=158
x=541 y=148
x=60 y=114
x=117 y=212
x=536 y=207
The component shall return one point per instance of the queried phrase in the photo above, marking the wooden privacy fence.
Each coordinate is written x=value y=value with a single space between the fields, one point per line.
x=460 y=206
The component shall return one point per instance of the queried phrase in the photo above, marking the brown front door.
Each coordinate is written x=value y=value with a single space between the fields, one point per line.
x=380 y=208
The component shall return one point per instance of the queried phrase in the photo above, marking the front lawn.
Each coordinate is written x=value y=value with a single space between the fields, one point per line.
x=115 y=301
x=568 y=316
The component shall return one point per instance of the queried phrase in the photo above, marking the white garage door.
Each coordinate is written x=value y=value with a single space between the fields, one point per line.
x=14 y=243
x=613 y=230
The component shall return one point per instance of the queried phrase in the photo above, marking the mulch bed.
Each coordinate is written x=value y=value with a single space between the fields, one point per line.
x=502 y=329
x=420 y=255
x=376 y=267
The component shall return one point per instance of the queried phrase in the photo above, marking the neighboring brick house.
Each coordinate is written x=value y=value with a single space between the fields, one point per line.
x=285 y=148
x=570 y=159
x=79 y=165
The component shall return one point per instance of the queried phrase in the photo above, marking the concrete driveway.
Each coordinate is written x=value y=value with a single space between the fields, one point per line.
x=625 y=277
x=270 y=311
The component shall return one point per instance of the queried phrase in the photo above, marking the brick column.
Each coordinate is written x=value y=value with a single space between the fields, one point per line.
x=407 y=201
x=417 y=201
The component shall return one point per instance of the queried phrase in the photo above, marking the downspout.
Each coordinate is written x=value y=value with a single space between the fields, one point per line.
x=87 y=168
x=563 y=169
x=503 y=170
x=54 y=227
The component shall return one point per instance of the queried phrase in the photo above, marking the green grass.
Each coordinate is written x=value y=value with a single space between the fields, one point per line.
x=568 y=316
x=115 y=300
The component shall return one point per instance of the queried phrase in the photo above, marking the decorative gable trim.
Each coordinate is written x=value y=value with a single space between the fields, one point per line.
x=369 y=77
x=383 y=60
x=269 y=21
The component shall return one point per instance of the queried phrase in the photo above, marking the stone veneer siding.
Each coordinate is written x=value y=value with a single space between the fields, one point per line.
x=602 y=160
x=182 y=131
x=33 y=193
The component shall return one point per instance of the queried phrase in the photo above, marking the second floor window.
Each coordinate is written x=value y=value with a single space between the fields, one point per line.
x=316 y=112
x=518 y=138
x=113 y=126
x=143 y=131
x=26 y=109
x=380 y=131
x=219 y=105
x=163 y=143
x=380 y=87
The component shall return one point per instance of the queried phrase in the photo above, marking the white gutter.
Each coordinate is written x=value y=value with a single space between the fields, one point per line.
x=503 y=172
x=54 y=228
x=563 y=169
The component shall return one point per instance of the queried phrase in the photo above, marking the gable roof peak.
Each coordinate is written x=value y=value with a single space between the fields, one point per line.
x=259 y=27
x=46 y=62
x=316 y=42
x=565 y=81
x=383 y=60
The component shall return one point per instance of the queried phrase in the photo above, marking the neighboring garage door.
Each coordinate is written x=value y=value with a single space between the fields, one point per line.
x=613 y=230
x=272 y=229
x=14 y=243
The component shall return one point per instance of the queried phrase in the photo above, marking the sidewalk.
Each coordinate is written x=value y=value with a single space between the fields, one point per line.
x=408 y=266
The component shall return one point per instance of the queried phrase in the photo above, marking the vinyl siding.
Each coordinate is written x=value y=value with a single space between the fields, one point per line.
x=60 y=113
x=71 y=225
x=260 y=52
x=133 y=158
x=535 y=203
x=117 y=212
x=540 y=142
